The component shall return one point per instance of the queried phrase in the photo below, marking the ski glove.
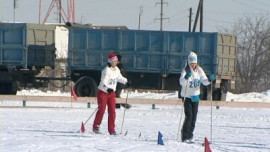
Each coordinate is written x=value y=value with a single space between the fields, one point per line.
x=211 y=77
x=109 y=90
x=188 y=74
x=128 y=84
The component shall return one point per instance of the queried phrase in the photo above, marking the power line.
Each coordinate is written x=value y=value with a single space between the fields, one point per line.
x=259 y=3
x=247 y=5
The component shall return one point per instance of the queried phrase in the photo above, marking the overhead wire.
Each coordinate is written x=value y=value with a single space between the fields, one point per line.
x=259 y=2
x=245 y=4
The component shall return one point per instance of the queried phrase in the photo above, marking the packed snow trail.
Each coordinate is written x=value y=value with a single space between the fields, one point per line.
x=56 y=129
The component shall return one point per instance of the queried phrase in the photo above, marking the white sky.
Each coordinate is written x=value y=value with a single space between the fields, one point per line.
x=218 y=14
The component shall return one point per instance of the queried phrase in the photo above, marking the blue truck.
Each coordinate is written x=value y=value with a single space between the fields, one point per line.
x=24 y=50
x=151 y=59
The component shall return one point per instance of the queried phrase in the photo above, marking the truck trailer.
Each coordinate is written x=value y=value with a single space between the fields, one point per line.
x=151 y=59
x=24 y=50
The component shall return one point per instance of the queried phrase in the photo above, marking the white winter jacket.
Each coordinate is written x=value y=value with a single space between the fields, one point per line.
x=191 y=87
x=109 y=78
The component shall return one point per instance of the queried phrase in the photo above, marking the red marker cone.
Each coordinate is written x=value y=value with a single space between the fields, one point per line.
x=206 y=145
x=82 y=128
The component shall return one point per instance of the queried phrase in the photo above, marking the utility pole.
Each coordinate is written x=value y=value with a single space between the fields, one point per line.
x=14 y=9
x=140 y=14
x=81 y=19
x=59 y=10
x=201 y=17
x=161 y=14
x=190 y=19
x=39 y=15
x=199 y=12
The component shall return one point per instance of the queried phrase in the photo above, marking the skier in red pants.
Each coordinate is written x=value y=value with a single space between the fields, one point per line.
x=106 y=94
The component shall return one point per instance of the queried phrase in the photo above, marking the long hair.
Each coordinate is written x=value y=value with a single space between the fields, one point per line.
x=187 y=68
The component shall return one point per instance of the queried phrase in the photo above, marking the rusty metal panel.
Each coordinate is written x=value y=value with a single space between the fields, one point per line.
x=227 y=47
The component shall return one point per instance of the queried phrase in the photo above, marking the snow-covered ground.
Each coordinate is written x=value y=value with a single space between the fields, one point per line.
x=58 y=128
x=247 y=97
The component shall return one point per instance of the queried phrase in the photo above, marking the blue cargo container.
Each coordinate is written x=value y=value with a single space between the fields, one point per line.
x=152 y=59
x=142 y=51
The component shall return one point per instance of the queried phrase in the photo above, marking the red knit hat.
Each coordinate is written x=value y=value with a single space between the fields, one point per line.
x=112 y=57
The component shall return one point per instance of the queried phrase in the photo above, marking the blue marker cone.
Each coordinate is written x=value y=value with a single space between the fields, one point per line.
x=160 y=140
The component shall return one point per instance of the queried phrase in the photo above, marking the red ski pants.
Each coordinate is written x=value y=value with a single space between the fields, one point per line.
x=104 y=99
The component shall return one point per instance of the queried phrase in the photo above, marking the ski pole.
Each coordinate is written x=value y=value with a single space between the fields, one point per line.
x=83 y=124
x=178 y=132
x=124 y=113
x=91 y=116
x=211 y=128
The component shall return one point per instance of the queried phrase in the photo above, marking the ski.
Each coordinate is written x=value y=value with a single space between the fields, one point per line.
x=188 y=142
x=194 y=142
x=126 y=133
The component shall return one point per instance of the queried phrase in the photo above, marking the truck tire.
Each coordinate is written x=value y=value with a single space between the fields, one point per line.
x=119 y=89
x=86 y=87
x=179 y=92
x=203 y=90
x=7 y=84
x=14 y=88
x=8 y=87
x=224 y=89
x=217 y=94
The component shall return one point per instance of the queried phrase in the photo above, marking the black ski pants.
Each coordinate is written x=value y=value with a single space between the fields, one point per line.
x=191 y=110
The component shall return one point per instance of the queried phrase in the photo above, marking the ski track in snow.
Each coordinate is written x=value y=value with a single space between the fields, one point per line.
x=57 y=129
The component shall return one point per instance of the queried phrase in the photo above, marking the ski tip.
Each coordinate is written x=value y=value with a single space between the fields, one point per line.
x=126 y=133
x=125 y=105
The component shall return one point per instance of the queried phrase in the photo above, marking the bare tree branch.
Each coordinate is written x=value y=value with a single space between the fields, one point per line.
x=253 y=56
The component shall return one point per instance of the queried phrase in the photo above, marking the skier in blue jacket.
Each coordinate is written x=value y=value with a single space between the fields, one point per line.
x=191 y=78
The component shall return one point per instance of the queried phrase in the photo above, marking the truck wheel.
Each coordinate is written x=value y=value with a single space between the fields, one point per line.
x=8 y=88
x=179 y=92
x=85 y=87
x=14 y=88
x=224 y=89
x=119 y=89
x=217 y=94
x=203 y=90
